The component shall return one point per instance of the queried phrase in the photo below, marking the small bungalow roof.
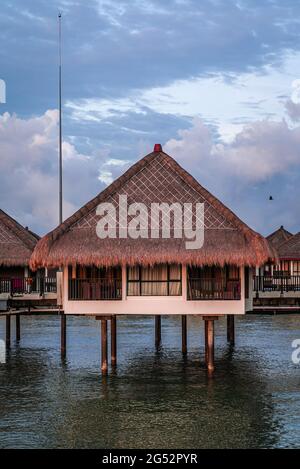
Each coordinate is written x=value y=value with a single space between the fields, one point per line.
x=279 y=236
x=16 y=242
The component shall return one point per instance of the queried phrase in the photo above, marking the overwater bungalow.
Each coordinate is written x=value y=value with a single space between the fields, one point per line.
x=277 y=285
x=133 y=268
x=19 y=285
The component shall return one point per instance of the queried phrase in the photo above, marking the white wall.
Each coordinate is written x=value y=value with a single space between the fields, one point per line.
x=149 y=305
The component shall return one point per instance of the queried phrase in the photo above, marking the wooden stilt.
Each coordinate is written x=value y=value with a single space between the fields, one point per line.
x=210 y=346
x=104 y=366
x=63 y=335
x=206 y=341
x=230 y=329
x=7 y=337
x=18 y=327
x=157 y=331
x=113 y=340
x=184 y=334
x=210 y=343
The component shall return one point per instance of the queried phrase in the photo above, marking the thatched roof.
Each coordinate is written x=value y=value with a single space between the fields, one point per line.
x=290 y=249
x=279 y=236
x=155 y=178
x=16 y=242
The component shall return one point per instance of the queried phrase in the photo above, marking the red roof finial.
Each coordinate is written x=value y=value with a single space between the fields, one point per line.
x=157 y=147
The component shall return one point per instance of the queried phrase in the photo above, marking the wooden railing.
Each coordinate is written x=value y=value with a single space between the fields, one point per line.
x=213 y=289
x=154 y=287
x=95 y=289
x=27 y=285
x=275 y=283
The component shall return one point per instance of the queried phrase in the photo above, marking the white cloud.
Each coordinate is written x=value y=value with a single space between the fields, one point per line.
x=262 y=159
x=259 y=151
x=295 y=97
x=227 y=101
x=101 y=109
x=105 y=176
x=258 y=159
x=293 y=110
x=116 y=162
x=29 y=165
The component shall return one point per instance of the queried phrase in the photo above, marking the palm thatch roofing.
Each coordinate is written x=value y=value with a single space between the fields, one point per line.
x=279 y=236
x=290 y=249
x=155 y=178
x=16 y=242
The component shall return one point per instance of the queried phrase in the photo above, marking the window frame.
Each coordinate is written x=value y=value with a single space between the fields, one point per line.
x=168 y=281
x=227 y=275
x=91 y=277
x=297 y=272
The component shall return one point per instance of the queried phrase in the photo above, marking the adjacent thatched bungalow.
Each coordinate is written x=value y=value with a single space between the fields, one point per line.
x=289 y=255
x=278 y=237
x=16 y=246
x=278 y=284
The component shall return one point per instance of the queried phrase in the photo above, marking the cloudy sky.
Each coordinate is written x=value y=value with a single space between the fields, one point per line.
x=216 y=82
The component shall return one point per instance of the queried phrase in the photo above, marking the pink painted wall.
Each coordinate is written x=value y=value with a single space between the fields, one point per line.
x=156 y=304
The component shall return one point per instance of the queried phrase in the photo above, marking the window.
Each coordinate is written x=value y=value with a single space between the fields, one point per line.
x=93 y=283
x=282 y=269
x=296 y=267
x=159 y=280
x=214 y=283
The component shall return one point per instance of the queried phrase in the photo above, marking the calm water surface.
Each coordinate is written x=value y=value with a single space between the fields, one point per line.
x=154 y=399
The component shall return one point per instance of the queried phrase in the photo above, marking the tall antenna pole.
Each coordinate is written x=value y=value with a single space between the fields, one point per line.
x=60 y=125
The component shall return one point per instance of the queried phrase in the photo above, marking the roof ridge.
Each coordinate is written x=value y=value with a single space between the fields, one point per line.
x=292 y=239
x=281 y=228
x=289 y=245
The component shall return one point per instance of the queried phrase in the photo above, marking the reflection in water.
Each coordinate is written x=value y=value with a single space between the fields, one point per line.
x=152 y=399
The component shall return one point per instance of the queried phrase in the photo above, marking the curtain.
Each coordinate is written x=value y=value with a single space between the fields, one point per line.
x=233 y=272
x=296 y=267
x=284 y=266
x=133 y=288
x=175 y=280
x=158 y=280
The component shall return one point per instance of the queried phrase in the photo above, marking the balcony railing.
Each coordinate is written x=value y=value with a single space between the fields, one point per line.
x=27 y=285
x=95 y=289
x=213 y=289
x=275 y=283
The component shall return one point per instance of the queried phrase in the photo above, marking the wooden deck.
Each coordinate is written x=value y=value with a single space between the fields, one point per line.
x=31 y=311
x=275 y=310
